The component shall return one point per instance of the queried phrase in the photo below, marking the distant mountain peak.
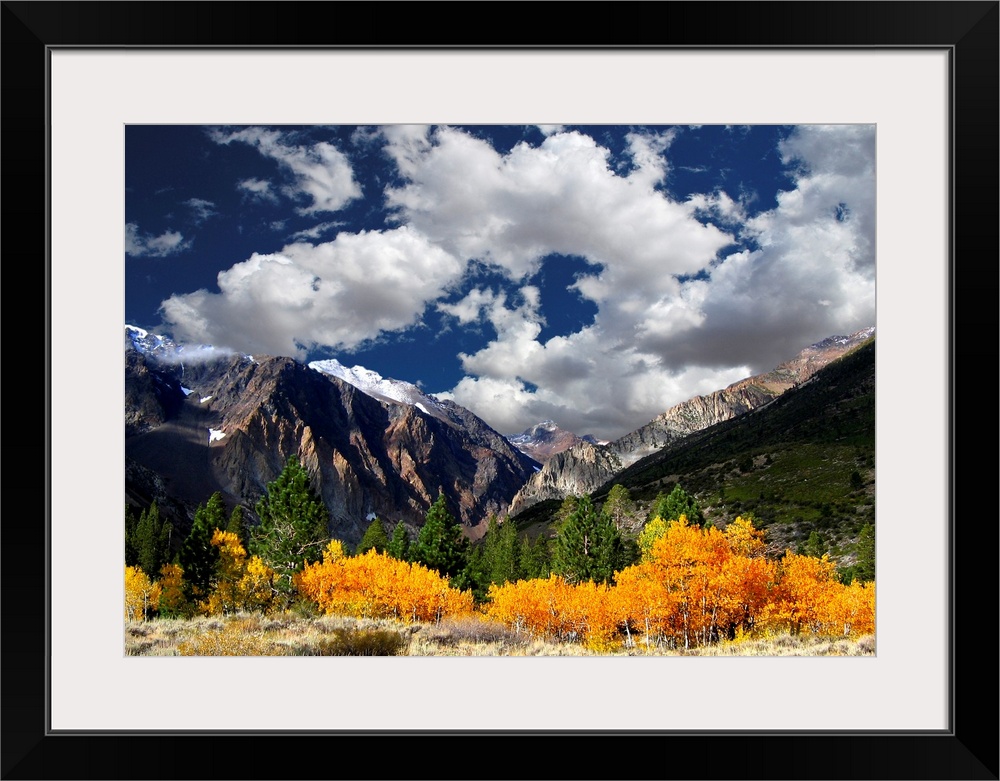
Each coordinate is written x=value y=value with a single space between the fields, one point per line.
x=839 y=341
x=544 y=440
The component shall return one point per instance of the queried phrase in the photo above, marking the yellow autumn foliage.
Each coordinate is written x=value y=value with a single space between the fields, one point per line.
x=693 y=586
x=376 y=585
x=142 y=595
x=242 y=585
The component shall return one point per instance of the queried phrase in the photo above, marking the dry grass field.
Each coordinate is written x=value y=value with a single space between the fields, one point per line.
x=294 y=635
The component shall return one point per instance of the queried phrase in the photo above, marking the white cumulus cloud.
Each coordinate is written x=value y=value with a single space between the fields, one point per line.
x=559 y=197
x=341 y=294
x=677 y=312
x=674 y=318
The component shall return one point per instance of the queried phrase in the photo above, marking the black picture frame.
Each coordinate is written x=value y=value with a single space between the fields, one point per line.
x=968 y=750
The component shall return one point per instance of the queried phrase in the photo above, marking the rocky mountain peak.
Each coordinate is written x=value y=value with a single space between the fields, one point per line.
x=376 y=448
x=544 y=440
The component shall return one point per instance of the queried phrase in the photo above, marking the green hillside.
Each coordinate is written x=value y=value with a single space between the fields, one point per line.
x=803 y=466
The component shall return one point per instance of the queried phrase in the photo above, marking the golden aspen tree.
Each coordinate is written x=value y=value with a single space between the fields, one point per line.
x=376 y=585
x=650 y=533
x=584 y=612
x=803 y=587
x=849 y=610
x=744 y=539
x=240 y=584
x=528 y=606
x=173 y=595
x=594 y=615
x=229 y=561
x=256 y=588
x=747 y=587
x=334 y=550
x=646 y=605
x=142 y=595
x=680 y=560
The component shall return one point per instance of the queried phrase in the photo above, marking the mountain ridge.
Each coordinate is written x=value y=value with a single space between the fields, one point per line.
x=198 y=419
x=230 y=424
x=585 y=467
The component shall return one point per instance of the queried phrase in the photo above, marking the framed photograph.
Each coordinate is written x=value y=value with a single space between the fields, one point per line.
x=922 y=75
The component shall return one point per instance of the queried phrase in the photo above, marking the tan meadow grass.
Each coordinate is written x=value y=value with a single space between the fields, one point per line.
x=289 y=634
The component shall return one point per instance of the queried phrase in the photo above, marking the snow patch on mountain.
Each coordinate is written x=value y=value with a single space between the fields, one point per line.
x=856 y=338
x=374 y=384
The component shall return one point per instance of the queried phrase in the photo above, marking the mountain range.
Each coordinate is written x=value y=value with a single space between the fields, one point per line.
x=199 y=421
x=230 y=423
x=585 y=466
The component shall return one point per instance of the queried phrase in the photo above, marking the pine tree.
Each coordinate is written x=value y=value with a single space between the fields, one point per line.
x=864 y=569
x=166 y=542
x=215 y=512
x=670 y=507
x=588 y=547
x=152 y=540
x=374 y=538
x=237 y=525
x=815 y=546
x=399 y=545
x=500 y=552
x=294 y=525
x=566 y=509
x=534 y=558
x=197 y=555
x=474 y=575
x=619 y=506
x=440 y=544
x=131 y=547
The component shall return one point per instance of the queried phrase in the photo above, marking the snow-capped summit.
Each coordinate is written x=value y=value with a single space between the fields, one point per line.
x=148 y=343
x=374 y=384
x=856 y=338
x=544 y=440
x=164 y=348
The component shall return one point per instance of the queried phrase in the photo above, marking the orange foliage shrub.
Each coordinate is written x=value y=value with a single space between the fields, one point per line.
x=849 y=610
x=555 y=608
x=809 y=598
x=693 y=587
x=804 y=585
x=173 y=601
x=376 y=585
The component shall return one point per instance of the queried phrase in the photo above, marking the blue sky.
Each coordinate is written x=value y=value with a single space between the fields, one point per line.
x=593 y=275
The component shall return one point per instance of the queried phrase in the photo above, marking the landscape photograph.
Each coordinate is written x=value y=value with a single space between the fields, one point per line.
x=499 y=390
